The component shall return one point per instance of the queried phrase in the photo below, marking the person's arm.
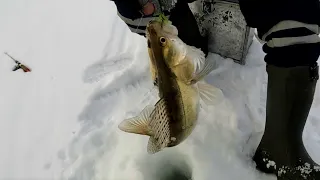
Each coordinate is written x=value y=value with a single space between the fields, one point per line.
x=129 y=8
x=143 y=2
x=187 y=1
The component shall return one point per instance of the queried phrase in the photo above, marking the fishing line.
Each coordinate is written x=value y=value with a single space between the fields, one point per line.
x=139 y=23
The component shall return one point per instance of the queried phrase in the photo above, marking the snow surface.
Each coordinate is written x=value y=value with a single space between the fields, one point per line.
x=89 y=72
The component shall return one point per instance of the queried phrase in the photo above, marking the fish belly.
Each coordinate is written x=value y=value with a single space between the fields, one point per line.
x=190 y=107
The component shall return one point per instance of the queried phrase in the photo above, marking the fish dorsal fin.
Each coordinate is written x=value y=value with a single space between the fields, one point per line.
x=159 y=126
x=209 y=94
x=138 y=124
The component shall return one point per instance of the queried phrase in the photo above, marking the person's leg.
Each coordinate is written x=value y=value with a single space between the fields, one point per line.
x=289 y=99
x=188 y=31
x=302 y=101
x=277 y=114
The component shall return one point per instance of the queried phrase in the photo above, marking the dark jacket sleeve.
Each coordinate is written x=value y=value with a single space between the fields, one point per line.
x=128 y=8
x=250 y=10
x=187 y=1
x=266 y=13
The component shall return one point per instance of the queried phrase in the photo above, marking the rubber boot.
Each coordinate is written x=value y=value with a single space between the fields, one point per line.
x=289 y=98
x=188 y=31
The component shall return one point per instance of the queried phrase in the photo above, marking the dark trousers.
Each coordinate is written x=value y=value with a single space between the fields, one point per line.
x=289 y=98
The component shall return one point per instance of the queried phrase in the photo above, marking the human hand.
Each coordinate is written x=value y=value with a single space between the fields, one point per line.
x=148 y=9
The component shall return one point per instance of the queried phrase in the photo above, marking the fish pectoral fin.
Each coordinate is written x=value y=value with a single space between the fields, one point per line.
x=138 y=124
x=197 y=56
x=205 y=70
x=209 y=94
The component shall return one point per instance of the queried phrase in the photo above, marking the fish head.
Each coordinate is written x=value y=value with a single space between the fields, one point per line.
x=163 y=37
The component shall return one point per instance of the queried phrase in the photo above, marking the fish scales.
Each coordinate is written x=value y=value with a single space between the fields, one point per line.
x=169 y=91
x=173 y=66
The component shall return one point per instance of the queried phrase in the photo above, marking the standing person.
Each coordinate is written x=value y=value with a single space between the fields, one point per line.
x=137 y=13
x=290 y=29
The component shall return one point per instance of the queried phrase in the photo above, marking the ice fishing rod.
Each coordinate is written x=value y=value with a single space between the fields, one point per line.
x=19 y=65
x=16 y=61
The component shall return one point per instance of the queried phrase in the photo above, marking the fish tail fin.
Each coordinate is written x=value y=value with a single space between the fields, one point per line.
x=137 y=124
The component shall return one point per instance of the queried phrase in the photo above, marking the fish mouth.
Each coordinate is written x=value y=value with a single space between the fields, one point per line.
x=152 y=22
x=151 y=32
x=151 y=28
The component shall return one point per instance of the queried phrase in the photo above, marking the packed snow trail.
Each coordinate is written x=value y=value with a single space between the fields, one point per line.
x=89 y=73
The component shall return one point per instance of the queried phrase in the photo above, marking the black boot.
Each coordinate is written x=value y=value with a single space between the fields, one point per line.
x=289 y=99
x=188 y=31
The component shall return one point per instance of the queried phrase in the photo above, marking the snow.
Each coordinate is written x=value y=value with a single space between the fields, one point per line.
x=89 y=72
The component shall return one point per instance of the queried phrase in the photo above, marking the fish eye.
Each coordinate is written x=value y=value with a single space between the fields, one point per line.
x=162 y=40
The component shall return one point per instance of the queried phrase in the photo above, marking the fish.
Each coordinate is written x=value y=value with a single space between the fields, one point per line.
x=187 y=62
x=173 y=118
x=18 y=65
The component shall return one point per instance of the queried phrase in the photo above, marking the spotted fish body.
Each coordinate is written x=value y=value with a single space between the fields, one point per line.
x=171 y=120
x=174 y=117
x=176 y=111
